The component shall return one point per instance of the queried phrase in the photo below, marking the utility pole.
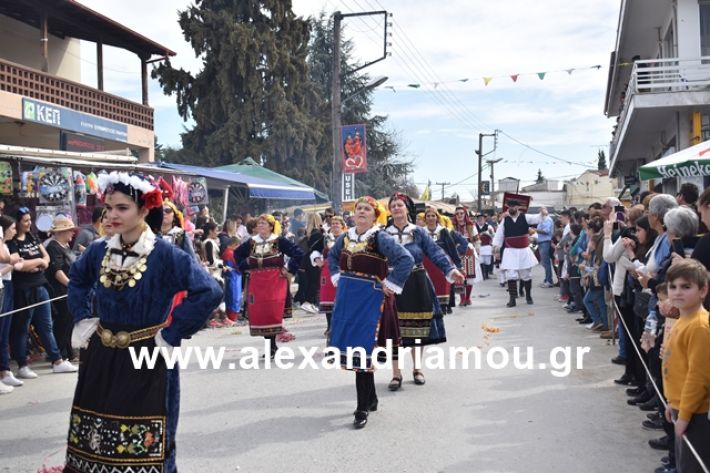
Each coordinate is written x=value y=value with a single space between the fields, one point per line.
x=480 y=154
x=442 y=184
x=336 y=101
x=335 y=114
x=492 y=162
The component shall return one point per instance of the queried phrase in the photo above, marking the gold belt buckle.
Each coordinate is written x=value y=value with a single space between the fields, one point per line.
x=119 y=340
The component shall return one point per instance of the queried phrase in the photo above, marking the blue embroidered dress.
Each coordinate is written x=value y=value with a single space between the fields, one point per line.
x=124 y=419
x=419 y=312
x=358 y=266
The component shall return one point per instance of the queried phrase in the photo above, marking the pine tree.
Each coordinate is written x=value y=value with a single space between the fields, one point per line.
x=253 y=96
x=601 y=160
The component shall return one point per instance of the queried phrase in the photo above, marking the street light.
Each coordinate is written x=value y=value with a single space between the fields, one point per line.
x=493 y=194
x=371 y=84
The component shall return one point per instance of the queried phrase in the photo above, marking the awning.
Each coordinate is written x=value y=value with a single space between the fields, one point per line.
x=249 y=167
x=690 y=162
x=258 y=188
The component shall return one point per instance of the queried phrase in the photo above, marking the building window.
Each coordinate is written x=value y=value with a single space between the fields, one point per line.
x=704 y=28
x=704 y=127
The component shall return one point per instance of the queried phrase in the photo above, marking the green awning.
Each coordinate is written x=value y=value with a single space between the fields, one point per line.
x=690 y=162
x=249 y=167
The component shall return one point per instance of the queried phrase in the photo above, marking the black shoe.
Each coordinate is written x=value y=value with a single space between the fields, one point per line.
x=650 y=405
x=511 y=303
x=640 y=399
x=652 y=425
x=662 y=443
x=654 y=416
x=617 y=360
x=635 y=391
x=625 y=380
x=360 y=420
x=529 y=300
x=395 y=383
x=585 y=320
x=665 y=469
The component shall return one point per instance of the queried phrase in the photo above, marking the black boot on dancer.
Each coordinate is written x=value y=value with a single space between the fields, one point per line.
x=528 y=289
x=272 y=346
x=512 y=291
x=364 y=393
x=521 y=290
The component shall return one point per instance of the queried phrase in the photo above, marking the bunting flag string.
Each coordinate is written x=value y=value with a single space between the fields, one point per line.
x=488 y=79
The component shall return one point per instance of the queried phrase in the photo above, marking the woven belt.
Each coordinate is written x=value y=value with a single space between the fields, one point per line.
x=123 y=339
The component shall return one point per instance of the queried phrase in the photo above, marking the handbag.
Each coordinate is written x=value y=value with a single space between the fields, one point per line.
x=641 y=300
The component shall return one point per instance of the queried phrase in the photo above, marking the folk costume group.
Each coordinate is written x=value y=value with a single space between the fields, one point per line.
x=381 y=285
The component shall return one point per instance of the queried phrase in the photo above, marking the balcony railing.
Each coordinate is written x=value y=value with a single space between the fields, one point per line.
x=38 y=85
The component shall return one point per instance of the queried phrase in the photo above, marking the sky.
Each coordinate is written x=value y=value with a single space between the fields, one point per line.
x=555 y=124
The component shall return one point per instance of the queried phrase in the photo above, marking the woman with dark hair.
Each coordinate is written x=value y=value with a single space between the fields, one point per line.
x=319 y=256
x=263 y=257
x=30 y=289
x=702 y=249
x=7 y=378
x=421 y=320
x=314 y=241
x=637 y=251
x=123 y=416
x=463 y=225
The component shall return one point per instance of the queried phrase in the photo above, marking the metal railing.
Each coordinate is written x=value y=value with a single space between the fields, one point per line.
x=28 y=82
x=654 y=76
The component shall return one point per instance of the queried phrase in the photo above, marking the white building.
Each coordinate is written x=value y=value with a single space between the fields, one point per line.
x=659 y=84
x=590 y=187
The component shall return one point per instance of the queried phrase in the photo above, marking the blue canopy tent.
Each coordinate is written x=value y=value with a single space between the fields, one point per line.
x=255 y=187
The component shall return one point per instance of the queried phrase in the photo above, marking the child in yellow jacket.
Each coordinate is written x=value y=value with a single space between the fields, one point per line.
x=686 y=364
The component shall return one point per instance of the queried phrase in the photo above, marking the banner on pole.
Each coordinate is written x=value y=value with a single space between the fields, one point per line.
x=348 y=187
x=353 y=148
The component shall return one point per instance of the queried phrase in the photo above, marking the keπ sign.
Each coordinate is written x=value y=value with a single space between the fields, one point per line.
x=348 y=186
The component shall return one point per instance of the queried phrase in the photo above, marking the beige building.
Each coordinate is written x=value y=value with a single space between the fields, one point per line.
x=44 y=104
x=591 y=186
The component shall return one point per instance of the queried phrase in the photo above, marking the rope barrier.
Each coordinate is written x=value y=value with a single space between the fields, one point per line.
x=32 y=306
x=653 y=382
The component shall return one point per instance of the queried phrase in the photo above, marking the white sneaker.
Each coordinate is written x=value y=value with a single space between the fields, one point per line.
x=64 y=367
x=590 y=325
x=26 y=373
x=5 y=389
x=10 y=380
x=308 y=307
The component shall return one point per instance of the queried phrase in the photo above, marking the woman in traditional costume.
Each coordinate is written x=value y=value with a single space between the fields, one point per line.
x=420 y=317
x=359 y=264
x=463 y=225
x=125 y=418
x=319 y=256
x=262 y=258
x=446 y=242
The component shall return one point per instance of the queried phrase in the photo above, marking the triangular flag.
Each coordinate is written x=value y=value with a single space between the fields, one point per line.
x=541 y=75
x=515 y=77
x=487 y=80
x=414 y=86
x=570 y=71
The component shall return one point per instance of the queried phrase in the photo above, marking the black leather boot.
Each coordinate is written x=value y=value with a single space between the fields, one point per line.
x=512 y=292
x=521 y=290
x=528 y=289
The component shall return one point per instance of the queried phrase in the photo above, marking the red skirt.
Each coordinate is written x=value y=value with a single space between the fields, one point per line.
x=442 y=287
x=327 y=290
x=266 y=296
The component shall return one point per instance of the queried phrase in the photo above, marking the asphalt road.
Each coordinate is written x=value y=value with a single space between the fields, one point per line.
x=462 y=420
